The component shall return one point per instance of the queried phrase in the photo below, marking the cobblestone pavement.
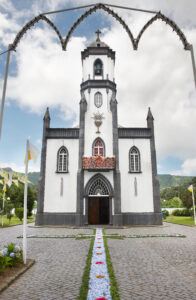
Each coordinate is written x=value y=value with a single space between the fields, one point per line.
x=155 y=268
x=57 y=273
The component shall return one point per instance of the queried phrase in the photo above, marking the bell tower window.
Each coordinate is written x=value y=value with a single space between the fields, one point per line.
x=98 y=147
x=98 y=67
x=98 y=100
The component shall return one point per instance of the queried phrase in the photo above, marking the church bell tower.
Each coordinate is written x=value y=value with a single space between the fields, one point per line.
x=98 y=175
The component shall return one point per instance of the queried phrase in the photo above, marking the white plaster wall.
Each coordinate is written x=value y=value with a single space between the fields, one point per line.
x=106 y=127
x=88 y=65
x=53 y=201
x=143 y=202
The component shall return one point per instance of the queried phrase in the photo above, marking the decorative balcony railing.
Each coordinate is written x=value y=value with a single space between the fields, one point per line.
x=98 y=162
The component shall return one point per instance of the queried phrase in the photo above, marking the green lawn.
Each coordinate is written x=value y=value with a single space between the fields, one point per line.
x=180 y=220
x=14 y=221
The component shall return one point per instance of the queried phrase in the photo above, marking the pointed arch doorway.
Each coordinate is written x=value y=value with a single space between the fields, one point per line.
x=99 y=200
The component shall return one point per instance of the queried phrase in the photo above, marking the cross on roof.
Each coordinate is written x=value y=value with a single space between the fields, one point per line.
x=98 y=32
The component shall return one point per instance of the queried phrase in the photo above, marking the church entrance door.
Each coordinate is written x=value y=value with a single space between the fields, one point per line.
x=98 y=210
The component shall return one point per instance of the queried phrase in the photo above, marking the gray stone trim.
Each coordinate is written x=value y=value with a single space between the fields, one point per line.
x=98 y=83
x=155 y=180
x=117 y=220
x=135 y=133
x=62 y=133
x=80 y=173
x=98 y=51
x=143 y=219
x=139 y=158
x=57 y=160
x=41 y=184
x=46 y=218
x=94 y=178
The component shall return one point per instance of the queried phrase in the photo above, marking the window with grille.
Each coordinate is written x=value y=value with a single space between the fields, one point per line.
x=134 y=160
x=98 y=67
x=98 y=99
x=98 y=148
x=62 y=160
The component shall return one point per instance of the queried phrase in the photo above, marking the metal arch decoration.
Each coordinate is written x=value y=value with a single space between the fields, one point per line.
x=92 y=10
x=32 y=23
x=168 y=21
x=94 y=179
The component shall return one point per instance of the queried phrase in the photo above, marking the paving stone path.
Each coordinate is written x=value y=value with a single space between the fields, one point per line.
x=146 y=268
x=155 y=268
x=57 y=273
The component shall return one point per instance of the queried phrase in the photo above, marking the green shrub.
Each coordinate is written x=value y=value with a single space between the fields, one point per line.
x=182 y=212
x=10 y=255
x=19 y=211
x=165 y=213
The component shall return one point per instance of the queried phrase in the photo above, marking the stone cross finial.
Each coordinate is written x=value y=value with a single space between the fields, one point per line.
x=98 y=32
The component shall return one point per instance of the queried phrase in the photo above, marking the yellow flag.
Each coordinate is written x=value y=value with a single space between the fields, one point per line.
x=1 y=181
x=15 y=181
x=33 y=152
x=190 y=188
x=4 y=188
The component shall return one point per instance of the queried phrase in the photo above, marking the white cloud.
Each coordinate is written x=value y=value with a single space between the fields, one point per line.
x=188 y=168
x=46 y=75
x=19 y=168
x=158 y=75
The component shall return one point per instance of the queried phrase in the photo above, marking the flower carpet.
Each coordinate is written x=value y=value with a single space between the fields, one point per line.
x=99 y=283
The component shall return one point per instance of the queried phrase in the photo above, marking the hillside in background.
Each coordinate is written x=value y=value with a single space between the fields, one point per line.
x=172 y=180
x=165 y=180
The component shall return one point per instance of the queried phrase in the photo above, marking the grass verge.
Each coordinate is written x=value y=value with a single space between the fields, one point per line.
x=14 y=221
x=86 y=275
x=180 y=220
x=113 y=283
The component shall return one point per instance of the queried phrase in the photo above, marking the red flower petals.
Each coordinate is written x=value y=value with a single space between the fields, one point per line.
x=99 y=247
x=102 y=298
x=99 y=262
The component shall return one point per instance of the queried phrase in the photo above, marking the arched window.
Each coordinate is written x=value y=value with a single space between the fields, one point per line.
x=98 y=67
x=62 y=160
x=98 y=147
x=98 y=99
x=134 y=160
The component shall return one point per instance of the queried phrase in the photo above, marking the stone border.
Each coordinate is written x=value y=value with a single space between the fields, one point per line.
x=10 y=280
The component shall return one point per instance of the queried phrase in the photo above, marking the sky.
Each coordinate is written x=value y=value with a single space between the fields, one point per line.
x=158 y=75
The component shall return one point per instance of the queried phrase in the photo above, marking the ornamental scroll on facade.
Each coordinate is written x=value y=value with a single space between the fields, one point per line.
x=98 y=162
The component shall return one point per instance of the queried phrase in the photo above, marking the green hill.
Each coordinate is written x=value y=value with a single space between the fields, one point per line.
x=172 y=180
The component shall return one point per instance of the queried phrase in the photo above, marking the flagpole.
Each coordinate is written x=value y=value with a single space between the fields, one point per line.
x=193 y=204
x=3 y=206
x=25 y=207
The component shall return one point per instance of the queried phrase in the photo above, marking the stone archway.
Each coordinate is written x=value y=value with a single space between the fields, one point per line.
x=98 y=196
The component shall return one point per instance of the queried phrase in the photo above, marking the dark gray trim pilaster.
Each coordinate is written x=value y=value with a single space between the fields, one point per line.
x=56 y=219
x=98 y=83
x=155 y=180
x=142 y=219
x=41 y=187
x=117 y=218
x=80 y=173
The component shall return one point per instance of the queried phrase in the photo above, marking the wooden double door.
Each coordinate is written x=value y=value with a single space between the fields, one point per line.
x=98 y=210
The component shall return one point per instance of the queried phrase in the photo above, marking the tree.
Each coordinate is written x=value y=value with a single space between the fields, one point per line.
x=176 y=202
x=16 y=194
x=19 y=212
x=186 y=197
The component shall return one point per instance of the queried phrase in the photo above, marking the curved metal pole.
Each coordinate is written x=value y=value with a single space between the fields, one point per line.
x=193 y=63
x=4 y=88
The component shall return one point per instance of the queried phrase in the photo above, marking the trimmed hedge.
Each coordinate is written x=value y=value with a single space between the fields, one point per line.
x=183 y=212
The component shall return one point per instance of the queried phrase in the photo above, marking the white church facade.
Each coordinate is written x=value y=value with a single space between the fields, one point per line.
x=99 y=173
